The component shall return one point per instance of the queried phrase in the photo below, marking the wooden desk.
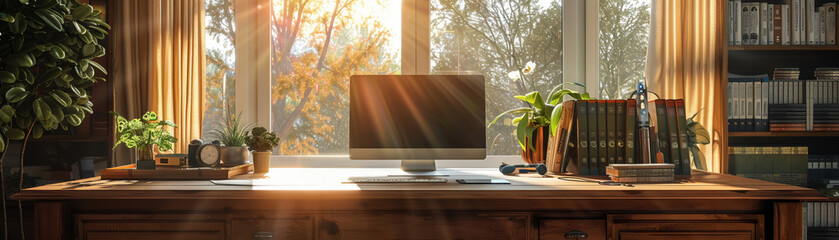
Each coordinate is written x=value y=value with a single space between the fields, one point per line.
x=305 y=203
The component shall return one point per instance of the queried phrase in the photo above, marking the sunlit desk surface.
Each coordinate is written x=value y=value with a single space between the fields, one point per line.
x=320 y=183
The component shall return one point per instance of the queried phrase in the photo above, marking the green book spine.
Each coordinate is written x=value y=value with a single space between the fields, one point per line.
x=593 y=148
x=749 y=168
x=631 y=116
x=602 y=138
x=661 y=130
x=620 y=131
x=582 y=138
x=673 y=136
x=611 y=129
x=683 y=136
x=733 y=168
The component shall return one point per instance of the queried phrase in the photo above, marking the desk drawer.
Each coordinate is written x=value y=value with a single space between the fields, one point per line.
x=271 y=228
x=686 y=226
x=422 y=226
x=151 y=226
x=572 y=229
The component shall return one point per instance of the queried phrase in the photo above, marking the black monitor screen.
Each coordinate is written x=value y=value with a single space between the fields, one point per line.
x=417 y=111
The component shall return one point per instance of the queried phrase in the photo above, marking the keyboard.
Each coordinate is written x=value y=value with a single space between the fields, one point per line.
x=397 y=180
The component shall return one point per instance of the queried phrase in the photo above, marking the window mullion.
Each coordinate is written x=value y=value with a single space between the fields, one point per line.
x=576 y=64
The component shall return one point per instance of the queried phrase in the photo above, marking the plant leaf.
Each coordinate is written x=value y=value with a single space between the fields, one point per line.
x=6 y=17
x=555 y=116
x=521 y=129
x=512 y=111
x=698 y=157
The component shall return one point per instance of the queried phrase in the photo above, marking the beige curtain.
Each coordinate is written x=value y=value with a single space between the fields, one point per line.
x=684 y=60
x=159 y=63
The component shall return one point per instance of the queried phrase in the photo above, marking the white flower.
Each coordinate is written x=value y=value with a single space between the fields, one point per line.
x=528 y=68
x=514 y=75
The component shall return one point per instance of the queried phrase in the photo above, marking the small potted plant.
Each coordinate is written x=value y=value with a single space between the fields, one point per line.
x=142 y=135
x=232 y=134
x=261 y=142
x=538 y=120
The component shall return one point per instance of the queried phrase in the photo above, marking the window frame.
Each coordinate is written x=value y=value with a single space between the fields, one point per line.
x=253 y=63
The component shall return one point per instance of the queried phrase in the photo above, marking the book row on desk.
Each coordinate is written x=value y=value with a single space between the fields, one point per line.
x=756 y=104
x=593 y=134
x=787 y=165
x=821 y=214
x=801 y=22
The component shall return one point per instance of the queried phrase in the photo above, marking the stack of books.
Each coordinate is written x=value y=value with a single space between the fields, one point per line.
x=826 y=73
x=798 y=22
x=787 y=165
x=786 y=74
x=787 y=117
x=641 y=173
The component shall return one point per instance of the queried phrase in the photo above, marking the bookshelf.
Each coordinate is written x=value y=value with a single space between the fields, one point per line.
x=784 y=48
x=763 y=59
x=782 y=134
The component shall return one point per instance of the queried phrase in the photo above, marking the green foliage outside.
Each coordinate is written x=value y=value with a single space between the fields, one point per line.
x=318 y=44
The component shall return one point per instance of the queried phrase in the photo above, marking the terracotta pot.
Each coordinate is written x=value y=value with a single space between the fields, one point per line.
x=261 y=162
x=540 y=146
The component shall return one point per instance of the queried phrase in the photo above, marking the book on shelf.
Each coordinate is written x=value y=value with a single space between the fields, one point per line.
x=785 y=24
x=823 y=171
x=798 y=22
x=810 y=21
x=787 y=165
x=784 y=103
x=821 y=216
x=763 y=34
x=830 y=23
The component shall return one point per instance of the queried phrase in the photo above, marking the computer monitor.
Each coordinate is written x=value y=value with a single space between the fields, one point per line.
x=417 y=118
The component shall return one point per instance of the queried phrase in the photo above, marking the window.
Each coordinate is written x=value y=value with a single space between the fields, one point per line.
x=624 y=26
x=316 y=45
x=493 y=38
x=220 y=43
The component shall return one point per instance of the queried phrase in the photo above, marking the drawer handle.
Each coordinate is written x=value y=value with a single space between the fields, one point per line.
x=576 y=235
x=263 y=236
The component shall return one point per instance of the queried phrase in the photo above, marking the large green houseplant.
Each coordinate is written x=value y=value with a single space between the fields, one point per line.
x=540 y=115
x=47 y=49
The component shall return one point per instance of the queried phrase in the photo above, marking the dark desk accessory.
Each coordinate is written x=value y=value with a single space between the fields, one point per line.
x=192 y=151
x=644 y=142
x=511 y=169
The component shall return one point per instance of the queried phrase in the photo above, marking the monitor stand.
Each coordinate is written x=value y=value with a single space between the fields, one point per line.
x=418 y=165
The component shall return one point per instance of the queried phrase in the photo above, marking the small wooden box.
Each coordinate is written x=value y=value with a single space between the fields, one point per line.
x=129 y=172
